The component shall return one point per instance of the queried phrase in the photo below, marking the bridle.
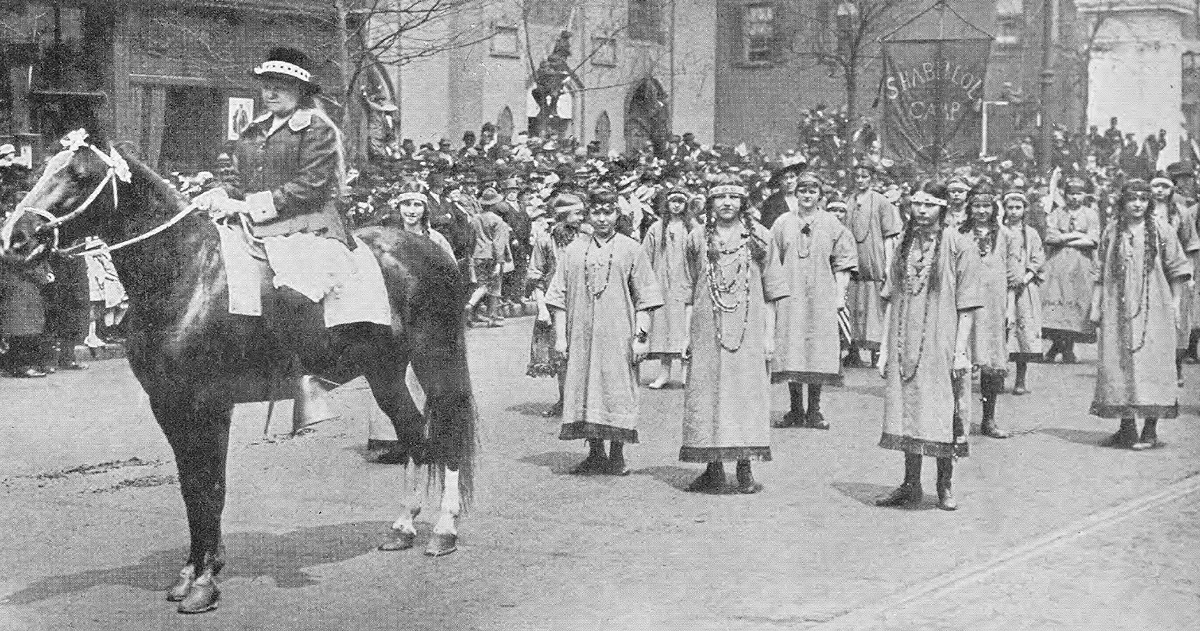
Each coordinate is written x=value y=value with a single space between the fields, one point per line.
x=118 y=169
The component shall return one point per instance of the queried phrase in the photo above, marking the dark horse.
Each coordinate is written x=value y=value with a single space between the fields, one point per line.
x=193 y=358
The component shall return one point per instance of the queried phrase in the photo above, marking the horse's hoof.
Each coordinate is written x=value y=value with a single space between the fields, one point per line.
x=401 y=540
x=183 y=584
x=202 y=597
x=441 y=544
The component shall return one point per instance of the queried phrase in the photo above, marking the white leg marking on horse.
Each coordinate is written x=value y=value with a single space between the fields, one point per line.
x=451 y=505
x=411 y=506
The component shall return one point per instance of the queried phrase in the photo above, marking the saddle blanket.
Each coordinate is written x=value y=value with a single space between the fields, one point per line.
x=349 y=284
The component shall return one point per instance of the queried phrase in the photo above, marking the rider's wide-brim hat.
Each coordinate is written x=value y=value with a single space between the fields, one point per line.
x=289 y=64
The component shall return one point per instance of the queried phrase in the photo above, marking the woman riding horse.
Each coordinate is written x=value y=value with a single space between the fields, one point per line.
x=193 y=357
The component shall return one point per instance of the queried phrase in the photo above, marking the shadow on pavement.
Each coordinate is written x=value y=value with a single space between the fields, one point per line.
x=870 y=391
x=1081 y=436
x=530 y=408
x=282 y=557
x=559 y=462
x=866 y=494
x=675 y=477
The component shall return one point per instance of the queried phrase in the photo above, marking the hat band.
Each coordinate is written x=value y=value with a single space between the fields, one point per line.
x=921 y=197
x=727 y=189
x=412 y=196
x=284 y=68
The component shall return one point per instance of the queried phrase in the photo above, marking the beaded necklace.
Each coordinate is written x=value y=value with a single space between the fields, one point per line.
x=914 y=288
x=1124 y=257
x=985 y=239
x=587 y=276
x=718 y=286
x=918 y=266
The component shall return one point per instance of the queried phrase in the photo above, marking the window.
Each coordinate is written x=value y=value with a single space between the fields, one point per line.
x=645 y=20
x=758 y=33
x=604 y=51
x=1009 y=29
x=505 y=41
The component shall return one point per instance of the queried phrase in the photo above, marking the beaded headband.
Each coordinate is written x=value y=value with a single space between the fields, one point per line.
x=921 y=197
x=673 y=194
x=1162 y=180
x=727 y=189
x=412 y=196
x=562 y=210
x=1017 y=194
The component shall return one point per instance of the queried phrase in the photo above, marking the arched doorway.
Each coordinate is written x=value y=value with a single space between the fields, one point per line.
x=603 y=132
x=504 y=126
x=647 y=117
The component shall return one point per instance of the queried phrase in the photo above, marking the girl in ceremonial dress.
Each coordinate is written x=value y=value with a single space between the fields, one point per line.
x=1140 y=276
x=1025 y=326
x=547 y=248
x=1182 y=219
x=932 y=294
x=817 y=255
x=600 y=299
x=664 y=244
x=998 y=272
x=1072 y=232
x=734 y=283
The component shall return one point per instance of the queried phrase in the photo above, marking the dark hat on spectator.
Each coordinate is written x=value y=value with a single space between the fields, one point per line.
x=1180 y=170
x=603 y=194
x=1075 y=185
x=288 y=63
x=490 y=197
x=509 y=184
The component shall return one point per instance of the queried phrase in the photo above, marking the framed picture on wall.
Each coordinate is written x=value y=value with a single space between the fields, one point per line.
x=241 y=112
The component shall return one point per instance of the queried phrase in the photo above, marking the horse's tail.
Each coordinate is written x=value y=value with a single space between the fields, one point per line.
x=452 y=416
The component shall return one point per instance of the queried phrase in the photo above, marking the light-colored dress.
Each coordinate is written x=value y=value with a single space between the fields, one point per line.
x=725 y=416
x=601 y=285
x=998 y=270
x=919 y=395
x=1135 y=374
x=810 y=250
x=1025 y=332
x=543 y=360
x=1183 y=221
x=871 y=218
x=1067 y=295
x=668 y=328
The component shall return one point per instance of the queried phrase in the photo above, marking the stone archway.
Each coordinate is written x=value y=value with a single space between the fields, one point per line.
x=647 y=115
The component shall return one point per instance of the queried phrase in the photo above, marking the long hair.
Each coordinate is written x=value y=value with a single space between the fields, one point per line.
x=900 y=261
x=1153 y=241
x=978 y=192
x=665 y=217
x=758 y=246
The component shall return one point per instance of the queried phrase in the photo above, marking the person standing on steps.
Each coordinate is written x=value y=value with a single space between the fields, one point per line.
x=734 y=284
x=1140 y=276
x=932 y=293
x=600 y=299
x=817 y=256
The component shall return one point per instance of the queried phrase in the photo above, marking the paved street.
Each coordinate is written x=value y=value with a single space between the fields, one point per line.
x=1053 y=531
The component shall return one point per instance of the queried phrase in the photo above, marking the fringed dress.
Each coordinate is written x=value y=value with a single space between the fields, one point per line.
x=1025 y=332
x=872 y=219
x=601 y=285
x=810 y=250
x=668 y=334
x=1067 y=296
x=998 y=270
x=1135 y=374
x=919 y=397
x=725 y=411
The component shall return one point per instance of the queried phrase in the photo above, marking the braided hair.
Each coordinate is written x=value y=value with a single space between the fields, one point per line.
x=757 y=245
x=899 y=263
x=665 y=217
x=982 y=192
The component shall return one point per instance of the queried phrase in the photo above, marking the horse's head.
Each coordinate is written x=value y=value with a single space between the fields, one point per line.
x=76 y=196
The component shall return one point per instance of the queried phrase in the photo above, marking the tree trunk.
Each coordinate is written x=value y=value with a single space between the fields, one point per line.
x=350 y=133
x=851 y=115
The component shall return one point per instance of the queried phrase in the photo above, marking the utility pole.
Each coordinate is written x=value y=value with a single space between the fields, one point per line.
x=1047 y=82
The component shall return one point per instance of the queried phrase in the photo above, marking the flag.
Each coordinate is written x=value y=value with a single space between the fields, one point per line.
x=844 y=325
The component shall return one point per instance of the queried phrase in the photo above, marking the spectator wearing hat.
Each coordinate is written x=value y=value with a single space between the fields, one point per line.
x=600 y=298
x=875 y=224
x=491 y=257
x=664 y=245
x=1140 y=277
x=1072 y=232
x=515 y=215
x=1025 y=308
x=1171 y=210
x=783 y=200
x=817 y=256
x=548 y=246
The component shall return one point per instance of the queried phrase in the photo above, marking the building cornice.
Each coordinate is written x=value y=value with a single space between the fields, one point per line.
x=1185 y=7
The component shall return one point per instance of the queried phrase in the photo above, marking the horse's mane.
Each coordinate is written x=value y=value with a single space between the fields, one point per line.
x=145 y=178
